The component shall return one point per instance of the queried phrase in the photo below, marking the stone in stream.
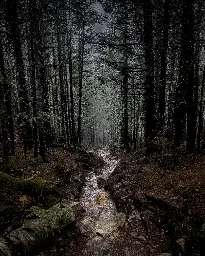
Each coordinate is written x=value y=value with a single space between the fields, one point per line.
x=134 y=234
x=181 y=243
x=101 y=182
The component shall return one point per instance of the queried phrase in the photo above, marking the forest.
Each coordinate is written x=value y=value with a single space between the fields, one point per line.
x=102 y=127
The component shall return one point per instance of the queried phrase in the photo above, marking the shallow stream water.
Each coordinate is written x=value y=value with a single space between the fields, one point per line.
x=101 y=220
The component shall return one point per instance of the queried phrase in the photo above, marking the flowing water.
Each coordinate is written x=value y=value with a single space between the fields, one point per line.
x=101 y=220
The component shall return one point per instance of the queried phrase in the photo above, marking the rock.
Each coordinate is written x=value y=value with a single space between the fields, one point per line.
x=135 y=216
x=165 y=254
x=78 y=209
x=4 y=249
x=142 y=238
x=120 y=219
x=137 y=242
x=40 y=226
x=101 y=182
x=181 y=243
x=134 y=234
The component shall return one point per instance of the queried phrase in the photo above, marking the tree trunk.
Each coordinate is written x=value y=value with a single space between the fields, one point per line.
x=201 y=110
x=124 y=88
x=82 y=43
x=61 y=68
x=72 y=116
x=6 y=110
x=13 y=21
x=150 y=122
x=33 y=29
x=189 y=57
x=184 y=90
x=163 y=66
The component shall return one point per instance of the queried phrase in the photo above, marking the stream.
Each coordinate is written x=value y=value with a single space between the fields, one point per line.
x=109 y=232
x=101 y=220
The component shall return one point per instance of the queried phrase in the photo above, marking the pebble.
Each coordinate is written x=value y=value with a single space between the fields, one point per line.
x=141 y=238
x=134 y=234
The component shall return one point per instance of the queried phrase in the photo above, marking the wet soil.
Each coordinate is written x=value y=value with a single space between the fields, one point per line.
x=136 y=207
x=106 y=230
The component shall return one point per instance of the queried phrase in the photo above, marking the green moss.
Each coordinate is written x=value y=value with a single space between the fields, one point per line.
x=8 y=181
x=31 y=187
x=4 y=208
x=8 y=212
x=21 y=163
x=45 y=222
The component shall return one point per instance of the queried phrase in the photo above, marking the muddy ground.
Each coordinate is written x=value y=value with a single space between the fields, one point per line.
x=168 y=202
x=32 y=182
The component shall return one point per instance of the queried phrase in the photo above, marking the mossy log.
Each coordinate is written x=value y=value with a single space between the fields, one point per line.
x=37 y=228
x=33 y=187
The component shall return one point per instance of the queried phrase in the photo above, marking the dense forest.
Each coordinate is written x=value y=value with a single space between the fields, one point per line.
x=78 y=76
x=95 y=73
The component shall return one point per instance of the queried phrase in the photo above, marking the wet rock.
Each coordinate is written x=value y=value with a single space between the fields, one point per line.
x=78 y=209
x=165 y=254
x=137 y=242
x=99 y=234
x=181 y=243
x=134 y=216
x=120 y=219
x=4 y=249
x=142 y=238
x=101 y=182
x=134 y=234
x=142 y=160
x=39 y=226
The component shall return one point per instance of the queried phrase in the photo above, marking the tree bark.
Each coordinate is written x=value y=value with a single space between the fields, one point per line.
x=72 y=116
x=201 y=110
x=163 y=66
x=6 y=110
x=184 y=90
x=33 y=30
x=13 y=21
x=189 y=57
x=82 y=43
x=150 y=121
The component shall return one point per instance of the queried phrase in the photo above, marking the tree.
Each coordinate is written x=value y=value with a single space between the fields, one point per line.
x=24 y=115
x=81 y=67
x=163 y=70
x=150 y=122
x=184 y=91
x=7 y=125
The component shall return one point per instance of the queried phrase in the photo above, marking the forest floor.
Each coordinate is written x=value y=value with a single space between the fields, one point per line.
x=32 y=182
x=163 y=203
x=167 y=200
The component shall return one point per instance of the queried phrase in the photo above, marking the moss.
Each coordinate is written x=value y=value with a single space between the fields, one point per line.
x=7 y=180
x=39 y=227
x=32 y=187
x=21 y=164
x=10 y=212
x=4 y=208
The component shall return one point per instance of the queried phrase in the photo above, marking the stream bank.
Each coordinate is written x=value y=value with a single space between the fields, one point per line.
x=106 y=229
x=132 y=207
x=34 y=184
x=169 y=204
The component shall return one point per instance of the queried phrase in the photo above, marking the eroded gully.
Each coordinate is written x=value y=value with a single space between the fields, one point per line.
x=101 y=220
